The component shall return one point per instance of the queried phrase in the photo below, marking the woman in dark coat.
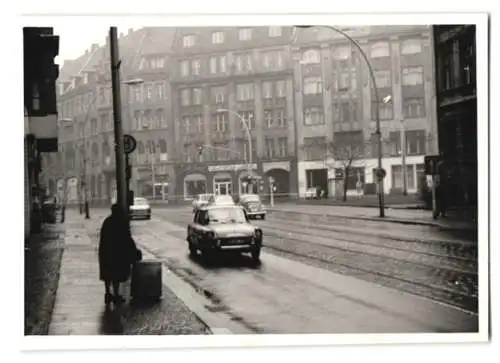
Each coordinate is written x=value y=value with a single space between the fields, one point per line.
x=117 y=252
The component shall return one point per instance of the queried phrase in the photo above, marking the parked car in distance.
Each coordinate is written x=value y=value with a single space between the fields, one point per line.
x=221 y=200
x=253 y=205
x=217 y=229
x=199 y=200
x=140 y=209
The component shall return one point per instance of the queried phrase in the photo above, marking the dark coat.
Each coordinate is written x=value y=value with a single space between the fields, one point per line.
x=117 y=250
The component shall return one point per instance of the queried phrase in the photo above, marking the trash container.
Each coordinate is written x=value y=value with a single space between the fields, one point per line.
x=146 y=282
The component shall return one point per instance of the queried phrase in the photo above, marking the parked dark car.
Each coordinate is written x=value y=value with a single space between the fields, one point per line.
x=253 y=205
x=217 y=229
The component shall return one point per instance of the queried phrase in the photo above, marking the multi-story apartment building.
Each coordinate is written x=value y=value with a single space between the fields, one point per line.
x=336 y=108
x=222 y=78
x=86 y=153
x=195 y=89
x=455 y=52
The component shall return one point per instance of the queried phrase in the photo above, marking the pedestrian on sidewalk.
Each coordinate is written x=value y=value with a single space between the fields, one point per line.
x=117 y=253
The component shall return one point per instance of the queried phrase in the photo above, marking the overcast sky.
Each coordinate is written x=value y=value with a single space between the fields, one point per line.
x=74 y=41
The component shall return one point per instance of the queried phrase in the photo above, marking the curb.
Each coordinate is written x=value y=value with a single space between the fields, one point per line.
x=194 y=301
x=388 y=220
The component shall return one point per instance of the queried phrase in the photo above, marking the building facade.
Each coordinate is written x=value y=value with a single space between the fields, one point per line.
x=222 y=80
x=40 y=47
x=298 y=93
x=455 y=59
x=336 y=107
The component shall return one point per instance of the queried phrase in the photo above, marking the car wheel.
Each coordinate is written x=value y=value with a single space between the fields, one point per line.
x=262 y=216
x=192 y=249
x=256 y=255
x=148 y=217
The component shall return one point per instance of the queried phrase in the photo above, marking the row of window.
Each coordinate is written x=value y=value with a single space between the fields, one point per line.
x=219 y=37
x=80 y=105
x=352 y=144
x=149 y=119
x=348 y=111
x=377 y=50
x=244 y=92
x=273 y=118
x=410 y=76
x=219 y=64
x=274 y=148
x=148 y=91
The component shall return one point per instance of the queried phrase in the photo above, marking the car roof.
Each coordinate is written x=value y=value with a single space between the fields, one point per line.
x=218 y=206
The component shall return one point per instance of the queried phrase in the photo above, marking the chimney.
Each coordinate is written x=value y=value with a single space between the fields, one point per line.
x=121 y=35
x=130 y=31
x=94 y=47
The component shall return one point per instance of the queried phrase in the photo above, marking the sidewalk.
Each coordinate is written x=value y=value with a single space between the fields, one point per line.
x=79 y=307
x=454 y=221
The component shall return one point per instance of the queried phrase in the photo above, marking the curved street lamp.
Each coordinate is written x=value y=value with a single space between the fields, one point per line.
x=248 y=133
x=374 y=82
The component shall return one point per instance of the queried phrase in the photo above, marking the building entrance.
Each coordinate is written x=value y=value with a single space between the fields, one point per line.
x=223 y=187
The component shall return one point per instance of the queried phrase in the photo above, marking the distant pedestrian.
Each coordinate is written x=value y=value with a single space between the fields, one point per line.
x=442 y=189
x=117 y=253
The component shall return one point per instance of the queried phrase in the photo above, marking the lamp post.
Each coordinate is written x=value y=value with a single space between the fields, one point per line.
x=249 y=136
x=380 y=179
x=128 y=168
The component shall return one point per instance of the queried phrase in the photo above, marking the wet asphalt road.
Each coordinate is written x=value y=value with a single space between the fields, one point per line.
x=342 y=276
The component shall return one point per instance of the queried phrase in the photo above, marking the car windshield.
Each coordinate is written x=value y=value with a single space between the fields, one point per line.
x=140 y=201
x=226 y=215
x=250 y=198
x=204 y=197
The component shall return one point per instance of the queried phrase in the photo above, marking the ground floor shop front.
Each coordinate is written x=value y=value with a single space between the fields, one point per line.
x=231 y=178
x=360 y=180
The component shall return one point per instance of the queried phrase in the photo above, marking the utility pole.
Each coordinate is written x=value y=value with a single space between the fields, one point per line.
x=153 y=177
x=121 y=182
x=403 y=157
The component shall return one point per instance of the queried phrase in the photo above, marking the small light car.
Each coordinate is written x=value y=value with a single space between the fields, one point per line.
x=140 y=209
x=216 y=229
x=199 y=200
x=253 y=206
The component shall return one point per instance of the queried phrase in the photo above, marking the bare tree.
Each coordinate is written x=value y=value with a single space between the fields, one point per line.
x=344 y=155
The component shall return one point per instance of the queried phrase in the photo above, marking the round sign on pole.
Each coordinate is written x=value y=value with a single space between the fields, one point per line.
x=129 y=143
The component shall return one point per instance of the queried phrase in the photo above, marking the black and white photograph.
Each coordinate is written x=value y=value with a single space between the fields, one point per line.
x=245 y=179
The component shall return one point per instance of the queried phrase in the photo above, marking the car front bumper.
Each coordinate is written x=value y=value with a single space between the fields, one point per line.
x=232 y=244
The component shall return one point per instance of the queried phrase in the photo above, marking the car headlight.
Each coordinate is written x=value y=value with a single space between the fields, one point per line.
x=211 y=235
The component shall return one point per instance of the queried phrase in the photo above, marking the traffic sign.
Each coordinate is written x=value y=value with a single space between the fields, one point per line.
x=380 y=173
x=431 y=162
x=129 y=143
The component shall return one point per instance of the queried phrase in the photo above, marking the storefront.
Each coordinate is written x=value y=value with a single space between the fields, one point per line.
x=235 y=179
